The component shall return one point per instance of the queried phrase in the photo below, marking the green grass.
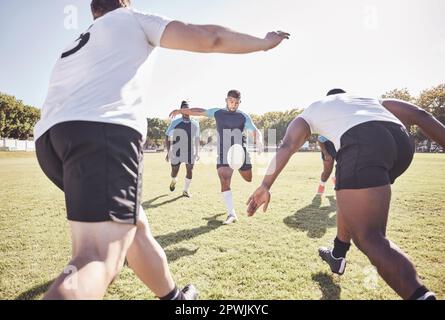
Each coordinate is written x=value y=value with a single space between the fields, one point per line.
x=270 y=256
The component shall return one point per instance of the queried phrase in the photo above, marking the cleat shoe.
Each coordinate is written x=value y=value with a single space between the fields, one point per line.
x=230 y=219
x=186 y=194
x=172 y=186
x=337 y=265
x=320 y=189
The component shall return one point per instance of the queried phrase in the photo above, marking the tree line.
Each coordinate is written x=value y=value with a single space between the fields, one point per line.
x=17 y=120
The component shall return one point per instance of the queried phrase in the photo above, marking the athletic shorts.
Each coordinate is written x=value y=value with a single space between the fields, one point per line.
x=330 y=148
x=373 y=154
x=99 y=167
x=222 y=161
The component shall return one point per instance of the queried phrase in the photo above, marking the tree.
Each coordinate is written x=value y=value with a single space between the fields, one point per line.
x=156 y=130
x=17 y=120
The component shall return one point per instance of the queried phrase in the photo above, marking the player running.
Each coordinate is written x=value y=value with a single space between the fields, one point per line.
x=182 y=142
x=374 y=149
x=90 y=136
x=231 y=123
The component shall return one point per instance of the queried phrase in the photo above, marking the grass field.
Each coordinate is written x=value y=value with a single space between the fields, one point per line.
x=270 y=256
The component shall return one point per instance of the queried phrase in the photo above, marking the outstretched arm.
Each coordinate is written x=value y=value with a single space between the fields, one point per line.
x=198 y=112
x=297 y=133
x=410 y=114
x=216 y=39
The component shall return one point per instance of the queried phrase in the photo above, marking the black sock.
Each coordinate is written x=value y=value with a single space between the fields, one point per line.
x=419 y=293
x=340 y=248
x=175 y=294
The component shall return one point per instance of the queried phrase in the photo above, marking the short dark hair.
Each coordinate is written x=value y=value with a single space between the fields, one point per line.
x=103 y=6
x=335 y=91
x=234 y=94
x=184 y=105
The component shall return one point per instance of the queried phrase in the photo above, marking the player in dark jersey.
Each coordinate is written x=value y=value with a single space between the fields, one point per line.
x=231 y=125
x=182 y=142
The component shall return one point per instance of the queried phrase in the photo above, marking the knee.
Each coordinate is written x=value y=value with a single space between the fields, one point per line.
x=368 y=240
x=108 y=266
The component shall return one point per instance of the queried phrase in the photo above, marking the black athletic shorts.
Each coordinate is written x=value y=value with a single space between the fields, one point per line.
x=373 y=154
x=330 y=148
x=222 y=160
x=99 y=167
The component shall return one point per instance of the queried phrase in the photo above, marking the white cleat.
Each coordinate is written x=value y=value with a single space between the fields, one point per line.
x=230 y=219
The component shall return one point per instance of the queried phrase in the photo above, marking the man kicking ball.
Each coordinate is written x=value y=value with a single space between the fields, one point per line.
x=182 y=142
x=231 y=124
x=374 y=149
x=328 y=154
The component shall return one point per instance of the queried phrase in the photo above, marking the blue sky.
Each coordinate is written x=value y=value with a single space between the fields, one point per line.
x=367 y=47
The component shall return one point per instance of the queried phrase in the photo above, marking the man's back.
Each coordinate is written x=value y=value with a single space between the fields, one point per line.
x=98 y=77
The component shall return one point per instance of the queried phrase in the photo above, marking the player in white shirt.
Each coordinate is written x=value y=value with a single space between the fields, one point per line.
x=374 y=148
x=90 y=135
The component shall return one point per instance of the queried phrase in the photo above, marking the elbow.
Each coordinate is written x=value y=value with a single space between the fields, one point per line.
x=214 y=41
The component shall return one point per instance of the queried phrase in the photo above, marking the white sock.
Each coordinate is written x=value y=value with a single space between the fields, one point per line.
x=174 y=179
x=322 y=183
x=187 y=184
x=228 y=200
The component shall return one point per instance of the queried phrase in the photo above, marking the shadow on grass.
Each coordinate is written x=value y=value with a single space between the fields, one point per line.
x=149 y=204
x=177 y=237
x=314 y=218
x=329 y=289
x=32 y=293
x=176 y=254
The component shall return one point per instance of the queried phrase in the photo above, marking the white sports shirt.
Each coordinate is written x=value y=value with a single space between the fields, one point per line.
x=336 y=114
x=100 y=77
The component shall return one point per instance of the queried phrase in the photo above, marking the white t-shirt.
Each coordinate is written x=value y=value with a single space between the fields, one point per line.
x=336 y=114
x=100 y=77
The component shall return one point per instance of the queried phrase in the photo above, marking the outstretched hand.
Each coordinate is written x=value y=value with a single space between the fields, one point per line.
x=174 y=113
x=260 y=197
x=275 y=38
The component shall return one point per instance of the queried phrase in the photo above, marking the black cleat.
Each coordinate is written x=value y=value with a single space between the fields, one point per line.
x=172 y=186
x=337 y=265
x=186 y=194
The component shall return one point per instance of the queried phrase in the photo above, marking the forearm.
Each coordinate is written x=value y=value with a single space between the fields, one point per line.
x=167 y=143
x=297 y=133
x=229 y=41
x=277 y=165
x=193 y=112
x=197 y=142
x=432 y=128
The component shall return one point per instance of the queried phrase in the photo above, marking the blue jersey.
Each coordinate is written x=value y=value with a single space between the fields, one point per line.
x=183 y=133
x=230 y=127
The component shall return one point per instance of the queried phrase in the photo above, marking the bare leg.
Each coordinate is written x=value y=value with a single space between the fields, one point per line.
x=246 y=174
x=148 y=260
x=99 y=251
x=365 y=213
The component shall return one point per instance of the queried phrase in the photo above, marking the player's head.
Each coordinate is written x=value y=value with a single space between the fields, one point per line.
x=335 y=91
x=101 y=7
x=185 y=105
x=233 y=100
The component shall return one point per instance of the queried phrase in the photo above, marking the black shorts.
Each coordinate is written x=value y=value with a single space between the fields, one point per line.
x=373 y=154
x=99 y=167
x=330 y=148
x=178 y=163
x=222 y=161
